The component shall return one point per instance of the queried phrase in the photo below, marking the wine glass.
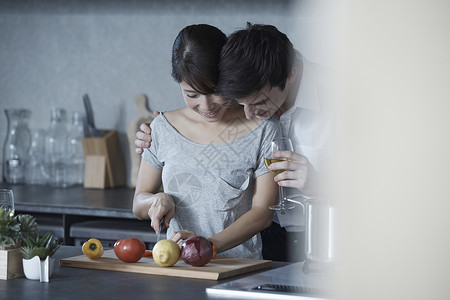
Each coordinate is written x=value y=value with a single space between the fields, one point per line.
x=7 y=200
x=281 y=143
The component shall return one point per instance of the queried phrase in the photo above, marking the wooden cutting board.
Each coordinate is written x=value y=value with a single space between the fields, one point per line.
x=218 y=268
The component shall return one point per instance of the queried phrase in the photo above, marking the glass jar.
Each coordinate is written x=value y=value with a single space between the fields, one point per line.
x=16 y=145
x=75 y=150
x=56 y=156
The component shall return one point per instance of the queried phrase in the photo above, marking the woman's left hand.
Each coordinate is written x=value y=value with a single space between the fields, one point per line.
x=180 y=236
x=298 y=170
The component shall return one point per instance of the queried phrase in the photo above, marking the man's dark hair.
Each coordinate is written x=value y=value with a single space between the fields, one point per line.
x=195 y=57
x=253 y=57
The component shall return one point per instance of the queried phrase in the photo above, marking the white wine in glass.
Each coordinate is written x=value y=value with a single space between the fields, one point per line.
x=7 y=200
x=269 y=161
x=280 y=144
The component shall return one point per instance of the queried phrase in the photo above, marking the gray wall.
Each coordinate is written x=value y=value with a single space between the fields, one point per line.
x=52 y=52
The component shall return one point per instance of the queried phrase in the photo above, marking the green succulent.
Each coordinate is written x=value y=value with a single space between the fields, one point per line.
x=28 y=226
x=23 y=231
x=41 y=246
x=13 y=229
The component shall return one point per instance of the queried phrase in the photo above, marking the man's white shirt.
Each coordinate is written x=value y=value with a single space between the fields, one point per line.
x=308 y=125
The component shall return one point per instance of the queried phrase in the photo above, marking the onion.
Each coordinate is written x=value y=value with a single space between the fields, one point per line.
x=197 y=251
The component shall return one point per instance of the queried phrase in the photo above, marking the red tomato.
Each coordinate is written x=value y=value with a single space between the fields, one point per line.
x=129 y=250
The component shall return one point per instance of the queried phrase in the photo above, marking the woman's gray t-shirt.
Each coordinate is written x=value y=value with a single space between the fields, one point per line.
x=211 y=185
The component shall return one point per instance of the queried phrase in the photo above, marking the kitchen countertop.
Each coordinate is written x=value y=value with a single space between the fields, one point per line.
x=58 y=210
x=77 y=283
x=112 y=203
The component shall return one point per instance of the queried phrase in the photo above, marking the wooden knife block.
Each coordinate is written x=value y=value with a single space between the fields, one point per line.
x=104 y=161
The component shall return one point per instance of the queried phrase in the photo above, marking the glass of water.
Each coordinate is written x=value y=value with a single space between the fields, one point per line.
x=7 y=200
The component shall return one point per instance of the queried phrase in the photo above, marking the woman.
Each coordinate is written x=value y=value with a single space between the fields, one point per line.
x=210 y=188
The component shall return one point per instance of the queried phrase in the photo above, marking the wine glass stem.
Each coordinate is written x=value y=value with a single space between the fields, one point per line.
x=281 y=202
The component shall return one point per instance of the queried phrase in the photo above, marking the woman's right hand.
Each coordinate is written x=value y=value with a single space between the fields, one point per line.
x=162 y=206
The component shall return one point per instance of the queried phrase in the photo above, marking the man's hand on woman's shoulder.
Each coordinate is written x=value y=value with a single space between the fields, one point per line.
x=143 y=137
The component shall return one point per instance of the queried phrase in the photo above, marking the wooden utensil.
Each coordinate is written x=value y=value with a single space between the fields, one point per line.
x=144 y=115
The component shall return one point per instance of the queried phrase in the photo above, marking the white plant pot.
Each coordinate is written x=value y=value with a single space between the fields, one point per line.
x=38 y=269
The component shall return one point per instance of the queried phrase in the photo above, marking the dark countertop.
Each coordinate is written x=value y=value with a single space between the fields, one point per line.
x=77 y=283
x=113 y=203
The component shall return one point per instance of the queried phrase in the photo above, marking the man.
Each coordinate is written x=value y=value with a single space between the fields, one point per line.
x=260 y=70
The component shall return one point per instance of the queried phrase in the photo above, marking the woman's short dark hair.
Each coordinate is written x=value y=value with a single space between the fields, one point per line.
x=253 y=57
x=195 y=57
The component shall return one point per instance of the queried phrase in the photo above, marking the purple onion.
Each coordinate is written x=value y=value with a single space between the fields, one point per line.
x=197 y=251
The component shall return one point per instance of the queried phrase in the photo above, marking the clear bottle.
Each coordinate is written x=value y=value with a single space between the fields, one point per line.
x=75 y=150
x=36 y=171
x=56 y=148
x=16 y=145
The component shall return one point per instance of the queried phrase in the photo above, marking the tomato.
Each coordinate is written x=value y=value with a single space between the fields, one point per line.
x=129 y=250
x=148 y=253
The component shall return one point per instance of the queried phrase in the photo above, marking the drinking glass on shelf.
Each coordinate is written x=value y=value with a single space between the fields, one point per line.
x=281 y=143
x=7 y=200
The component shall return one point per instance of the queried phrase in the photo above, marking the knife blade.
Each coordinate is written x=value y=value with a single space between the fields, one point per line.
x=161 y=228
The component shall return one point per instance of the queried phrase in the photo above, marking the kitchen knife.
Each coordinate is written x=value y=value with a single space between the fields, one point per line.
x=90 y=117
x=161 y=228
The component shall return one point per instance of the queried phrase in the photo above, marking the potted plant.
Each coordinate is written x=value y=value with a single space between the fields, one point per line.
x=13 y=229
x=37 y=255
x=22 y=250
